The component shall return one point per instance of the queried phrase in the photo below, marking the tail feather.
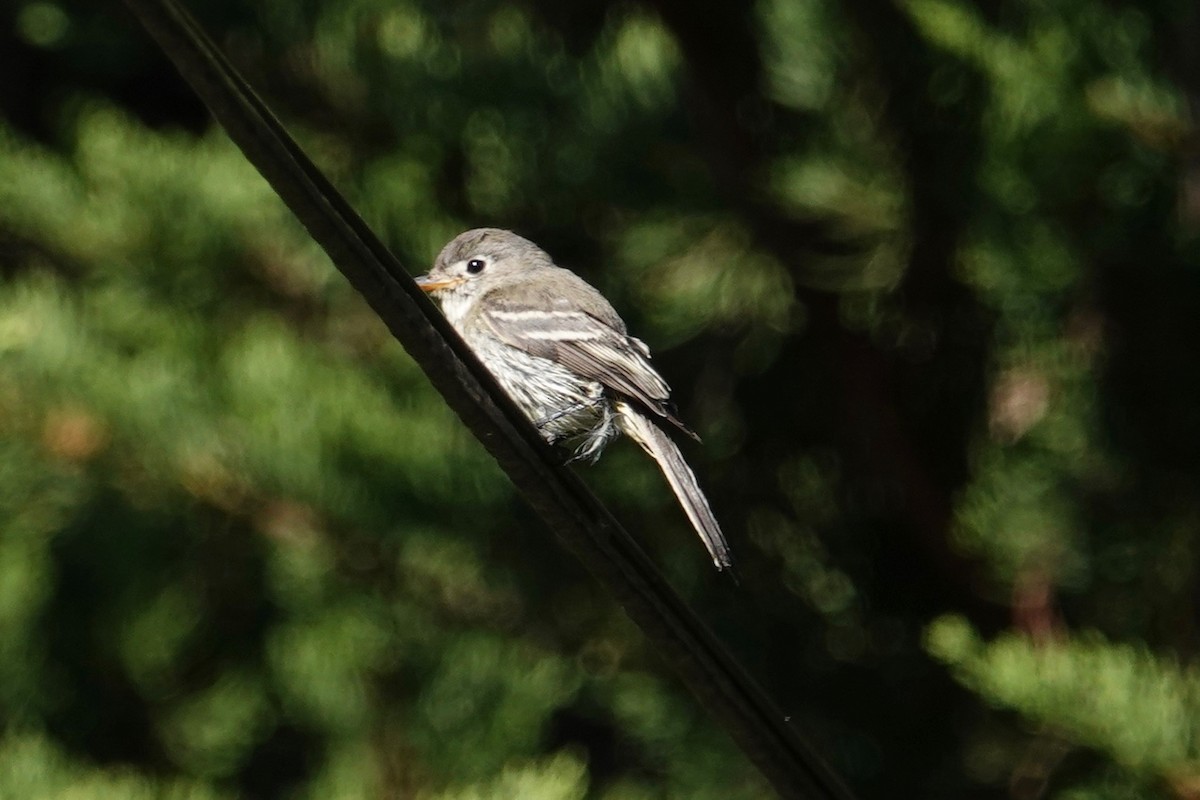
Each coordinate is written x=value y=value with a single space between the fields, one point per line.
x=679 y=475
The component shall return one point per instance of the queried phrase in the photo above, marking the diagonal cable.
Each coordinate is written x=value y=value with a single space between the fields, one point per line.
x=579 y=521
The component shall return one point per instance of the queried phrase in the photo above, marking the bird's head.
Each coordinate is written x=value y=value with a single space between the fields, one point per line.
x=478 y=260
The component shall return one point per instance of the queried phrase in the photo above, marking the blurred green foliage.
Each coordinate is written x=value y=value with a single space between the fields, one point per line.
x=1141 y=709
x=923 y=274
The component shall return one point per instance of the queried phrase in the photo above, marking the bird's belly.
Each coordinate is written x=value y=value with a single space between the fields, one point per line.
x=560 y=403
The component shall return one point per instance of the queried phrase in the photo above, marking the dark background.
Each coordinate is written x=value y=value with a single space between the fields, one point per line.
x=922 y=274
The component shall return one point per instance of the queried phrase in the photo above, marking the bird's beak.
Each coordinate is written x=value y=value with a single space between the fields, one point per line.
x=431 y=284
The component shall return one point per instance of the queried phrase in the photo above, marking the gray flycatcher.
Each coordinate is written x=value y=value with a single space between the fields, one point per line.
x=561 y=352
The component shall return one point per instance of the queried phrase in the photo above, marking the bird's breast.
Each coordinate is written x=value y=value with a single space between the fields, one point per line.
x=559 y=402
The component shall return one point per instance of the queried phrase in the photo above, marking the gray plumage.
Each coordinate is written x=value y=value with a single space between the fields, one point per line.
x=563 y=354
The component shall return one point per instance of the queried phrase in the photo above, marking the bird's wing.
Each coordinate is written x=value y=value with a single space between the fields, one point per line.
x=587 y=346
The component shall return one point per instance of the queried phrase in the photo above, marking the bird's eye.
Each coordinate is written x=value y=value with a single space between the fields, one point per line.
x=476 y=265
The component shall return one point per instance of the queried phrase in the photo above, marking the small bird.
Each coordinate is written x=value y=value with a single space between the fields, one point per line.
x=563 y=354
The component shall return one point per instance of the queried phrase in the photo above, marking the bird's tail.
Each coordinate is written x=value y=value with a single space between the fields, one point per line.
x=662 y=449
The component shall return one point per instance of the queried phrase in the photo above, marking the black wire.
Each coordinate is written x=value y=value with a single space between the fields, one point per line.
x=578 y=520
